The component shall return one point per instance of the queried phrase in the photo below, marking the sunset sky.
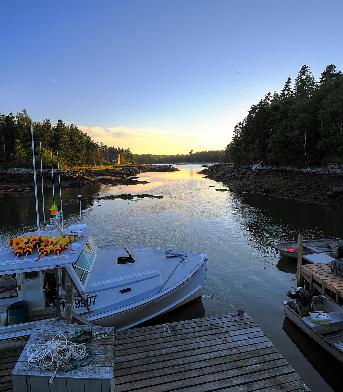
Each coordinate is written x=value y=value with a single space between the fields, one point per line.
x=158 y=76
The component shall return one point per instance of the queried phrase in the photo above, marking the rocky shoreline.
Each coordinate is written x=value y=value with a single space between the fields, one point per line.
x=320 y=186
x=21 y=180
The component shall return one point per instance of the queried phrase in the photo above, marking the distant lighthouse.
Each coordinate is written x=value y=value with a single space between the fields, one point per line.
x=118 y=159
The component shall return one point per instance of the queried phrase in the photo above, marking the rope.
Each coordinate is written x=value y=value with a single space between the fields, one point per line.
x=54 y=354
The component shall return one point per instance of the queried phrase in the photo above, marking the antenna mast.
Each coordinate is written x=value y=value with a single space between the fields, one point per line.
x=60 y=188
x=35 y=177
x=42 y=180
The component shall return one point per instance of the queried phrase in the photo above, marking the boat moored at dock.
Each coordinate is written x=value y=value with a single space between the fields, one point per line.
x=109 y=286
x=318 y=317
x=314 y=251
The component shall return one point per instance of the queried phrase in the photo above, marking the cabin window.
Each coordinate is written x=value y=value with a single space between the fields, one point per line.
x=84 y=263
x=31 y=275
x=126 y=290
x=90 y=246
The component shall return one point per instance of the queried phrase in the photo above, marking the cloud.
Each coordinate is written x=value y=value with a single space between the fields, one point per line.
x=142 y=140
x=209 y=131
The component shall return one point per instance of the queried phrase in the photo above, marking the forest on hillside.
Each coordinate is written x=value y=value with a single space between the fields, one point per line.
x=74 y=147
x=191 y=157
x=302 y=125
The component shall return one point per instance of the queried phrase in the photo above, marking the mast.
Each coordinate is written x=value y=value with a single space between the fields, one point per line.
x=42 y=181
x=35 y=177
x=60 y=187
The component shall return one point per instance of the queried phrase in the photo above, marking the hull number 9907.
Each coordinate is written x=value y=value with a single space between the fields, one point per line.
x=83 y=302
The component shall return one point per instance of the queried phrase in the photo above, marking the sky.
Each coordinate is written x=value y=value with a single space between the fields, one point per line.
x=159 y=76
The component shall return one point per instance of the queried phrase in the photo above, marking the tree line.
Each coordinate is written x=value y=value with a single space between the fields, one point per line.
x=191 y=157
x=301 y=125
x=64 y=143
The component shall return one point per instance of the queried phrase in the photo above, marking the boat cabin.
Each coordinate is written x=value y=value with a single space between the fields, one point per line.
x=33 y=286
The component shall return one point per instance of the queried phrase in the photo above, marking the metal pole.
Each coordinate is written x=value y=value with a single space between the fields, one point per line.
x=300 y=258
x=79 y=196
x=42 y=180
x=60 y=189
x=35 y=177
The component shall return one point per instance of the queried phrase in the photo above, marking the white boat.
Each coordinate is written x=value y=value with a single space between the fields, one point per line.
x=319 y=317
x=313 y=248
x=108 y=287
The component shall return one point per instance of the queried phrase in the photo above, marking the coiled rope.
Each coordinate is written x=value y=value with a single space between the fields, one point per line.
x=55 y=354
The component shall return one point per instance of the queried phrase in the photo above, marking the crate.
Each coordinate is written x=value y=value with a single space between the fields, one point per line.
x=96 y=375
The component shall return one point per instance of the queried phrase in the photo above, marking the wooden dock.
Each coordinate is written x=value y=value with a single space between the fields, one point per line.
x=9 y=354
x=320 y=277
x=229 y=353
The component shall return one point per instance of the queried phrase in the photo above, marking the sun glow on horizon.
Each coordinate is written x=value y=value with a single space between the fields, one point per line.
x=211 y=133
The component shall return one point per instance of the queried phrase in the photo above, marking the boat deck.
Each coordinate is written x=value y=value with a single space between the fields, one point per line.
x=228 y=353
x=321 y=278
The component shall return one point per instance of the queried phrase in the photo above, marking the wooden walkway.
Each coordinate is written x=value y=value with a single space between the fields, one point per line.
x=9 y=354
x=229 y=353
x=321 y=278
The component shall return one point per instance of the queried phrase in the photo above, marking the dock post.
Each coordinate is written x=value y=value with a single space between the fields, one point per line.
x=300 y=258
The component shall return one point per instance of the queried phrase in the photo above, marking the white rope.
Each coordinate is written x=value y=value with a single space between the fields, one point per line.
x=55 y=354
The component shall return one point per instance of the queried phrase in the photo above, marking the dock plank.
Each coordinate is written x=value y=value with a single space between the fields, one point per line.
x=9 y=354
x=228 y=353
x=321 y=276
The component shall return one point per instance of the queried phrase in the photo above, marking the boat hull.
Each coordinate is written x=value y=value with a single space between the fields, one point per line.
x=296 y=319
x=327 y=245
x=161 y=303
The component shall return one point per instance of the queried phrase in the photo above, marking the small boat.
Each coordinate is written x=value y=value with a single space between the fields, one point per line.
x=319 y=317
x=323 y=246
x=108 y=287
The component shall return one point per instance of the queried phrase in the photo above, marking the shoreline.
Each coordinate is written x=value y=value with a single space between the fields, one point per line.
x=314 y=186
x=20 y=180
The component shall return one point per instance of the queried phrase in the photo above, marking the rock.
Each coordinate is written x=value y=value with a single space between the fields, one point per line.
x=310 y=186
x=335 y=192
x=129 y=196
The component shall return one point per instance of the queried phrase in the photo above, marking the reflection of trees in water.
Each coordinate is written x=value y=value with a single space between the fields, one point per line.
x=288 y=265
x=18 y=211
x=326 y=365
x=270 y=221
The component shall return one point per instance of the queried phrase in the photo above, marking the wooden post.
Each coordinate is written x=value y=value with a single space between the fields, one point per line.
x=300 y=258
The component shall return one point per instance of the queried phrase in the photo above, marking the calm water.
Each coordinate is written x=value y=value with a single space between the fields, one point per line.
x=238 y=234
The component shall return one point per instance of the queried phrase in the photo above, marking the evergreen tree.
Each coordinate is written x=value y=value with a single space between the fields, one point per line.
x=300 y=126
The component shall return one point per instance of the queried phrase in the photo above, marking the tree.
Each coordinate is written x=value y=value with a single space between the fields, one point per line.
x=305 y=84
x=299 y=126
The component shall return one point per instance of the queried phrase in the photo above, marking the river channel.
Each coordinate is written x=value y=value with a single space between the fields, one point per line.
x=238 y=234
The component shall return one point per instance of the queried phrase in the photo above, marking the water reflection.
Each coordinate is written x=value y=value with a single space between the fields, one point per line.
x=239 y=233
x=271 y=221
x=192 y=310
x=288 y=265
x=325 y=364
x=18 y=211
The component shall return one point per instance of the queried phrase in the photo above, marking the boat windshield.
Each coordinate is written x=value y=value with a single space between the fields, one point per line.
x=84 y=263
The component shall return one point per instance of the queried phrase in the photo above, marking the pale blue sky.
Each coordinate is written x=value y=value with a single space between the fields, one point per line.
x=159 y=75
